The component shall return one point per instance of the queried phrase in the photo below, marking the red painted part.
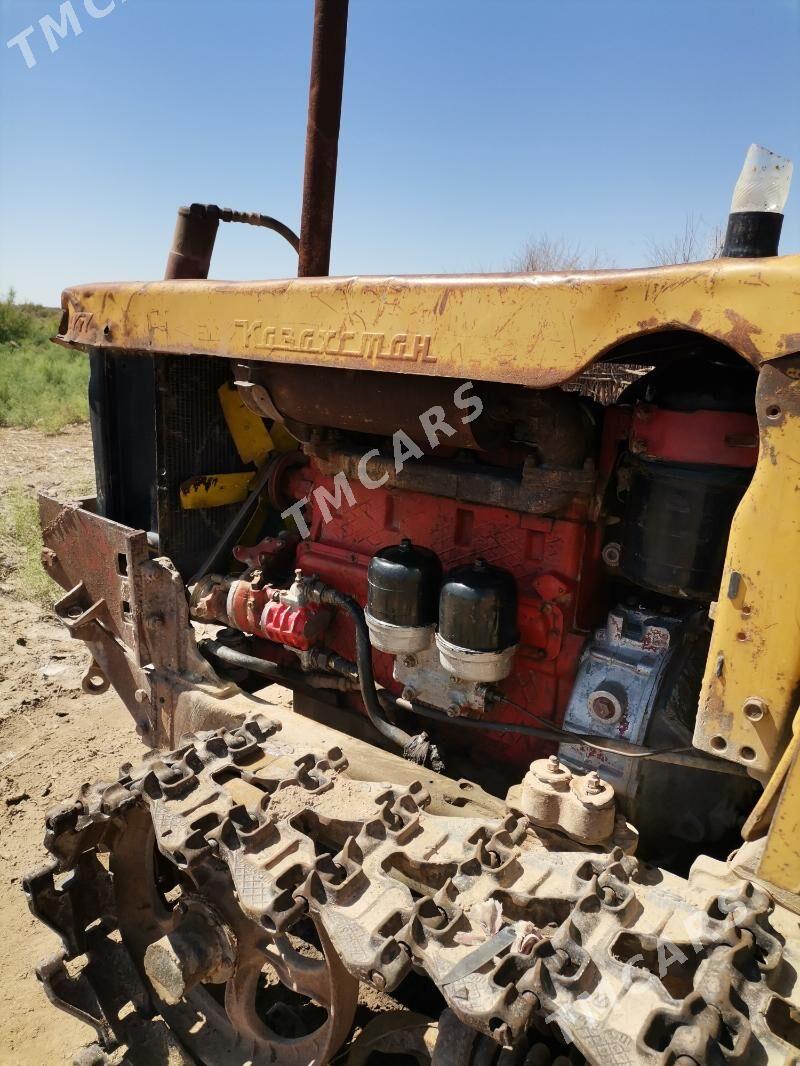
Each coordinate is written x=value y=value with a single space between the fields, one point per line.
x=718 y=438
x=245 y=606
x=291 y=626
x=546 y=555
x=254 y=611
x=269 y=553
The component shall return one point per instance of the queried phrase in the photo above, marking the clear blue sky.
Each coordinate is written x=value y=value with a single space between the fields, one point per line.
x=468 y=126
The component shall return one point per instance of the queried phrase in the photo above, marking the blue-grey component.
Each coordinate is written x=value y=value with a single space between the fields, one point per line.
x=615 y=691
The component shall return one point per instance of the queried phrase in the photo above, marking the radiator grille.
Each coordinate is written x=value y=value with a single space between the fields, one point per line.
x=192 y=439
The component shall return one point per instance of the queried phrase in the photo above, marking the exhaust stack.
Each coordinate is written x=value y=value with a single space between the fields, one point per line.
x=756 y=218
x=322 y=137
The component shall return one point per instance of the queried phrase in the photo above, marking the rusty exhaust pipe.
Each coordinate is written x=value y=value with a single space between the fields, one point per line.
x=322 y=136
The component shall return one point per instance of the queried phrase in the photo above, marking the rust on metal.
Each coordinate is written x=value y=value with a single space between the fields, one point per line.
x=532 y=330
x=322 y=136
x=513 y=923
x=196 y=233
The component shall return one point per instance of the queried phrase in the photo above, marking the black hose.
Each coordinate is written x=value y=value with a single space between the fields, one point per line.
x=560 y=736
x=281 y=675
x=366 y=677
x=416 y=748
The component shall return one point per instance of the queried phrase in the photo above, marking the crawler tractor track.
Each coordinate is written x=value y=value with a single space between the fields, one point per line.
x=221 y=902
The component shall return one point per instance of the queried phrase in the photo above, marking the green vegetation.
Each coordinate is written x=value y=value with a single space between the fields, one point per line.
x=21 y=538
x=41 y=384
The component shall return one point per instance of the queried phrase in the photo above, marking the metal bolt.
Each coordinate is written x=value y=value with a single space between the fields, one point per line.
x=605 y=705
x=378 y=980
x=603 y=708
x=612 y=553
x=409 y=660
x=48 y=557
x=755 y=709
x=194 y=951
x=553 y=764
x=593 y=783
x=140 y=695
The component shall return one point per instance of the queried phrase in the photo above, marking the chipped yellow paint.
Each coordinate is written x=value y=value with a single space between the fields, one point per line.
x=758 y=820
x=215 y=490
x=536 y=330
x=780 y=862
x=253 y=442
x=755 y=645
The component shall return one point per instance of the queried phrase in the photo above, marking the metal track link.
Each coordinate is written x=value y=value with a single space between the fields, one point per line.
x=330 y=880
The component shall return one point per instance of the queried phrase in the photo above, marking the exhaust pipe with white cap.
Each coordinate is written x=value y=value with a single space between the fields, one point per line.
x=754 y=224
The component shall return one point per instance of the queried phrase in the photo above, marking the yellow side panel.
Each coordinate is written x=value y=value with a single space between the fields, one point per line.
x=535 y=330
x=752 y=678
x=780 y=863
x=215 y=490
x=253 y=442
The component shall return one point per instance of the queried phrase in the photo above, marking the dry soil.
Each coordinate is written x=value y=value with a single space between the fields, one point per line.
x=53 y=739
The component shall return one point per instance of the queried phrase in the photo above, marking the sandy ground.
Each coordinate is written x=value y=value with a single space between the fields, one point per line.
x=52 y=739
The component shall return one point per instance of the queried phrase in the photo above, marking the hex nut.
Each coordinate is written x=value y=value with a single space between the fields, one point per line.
x=605 y=705
x=755 y=709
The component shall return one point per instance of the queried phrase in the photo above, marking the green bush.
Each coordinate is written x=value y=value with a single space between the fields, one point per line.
x=41 y=384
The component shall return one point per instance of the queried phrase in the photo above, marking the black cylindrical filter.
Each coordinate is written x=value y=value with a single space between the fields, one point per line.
x=403 y=583
x=676 y=525
x=478 y=608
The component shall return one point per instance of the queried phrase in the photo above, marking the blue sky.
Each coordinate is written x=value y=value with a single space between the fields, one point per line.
x=468 y=127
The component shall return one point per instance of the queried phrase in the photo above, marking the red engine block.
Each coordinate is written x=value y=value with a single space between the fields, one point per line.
x=548 y=557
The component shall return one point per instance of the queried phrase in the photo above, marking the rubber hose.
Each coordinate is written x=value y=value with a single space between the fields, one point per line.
x=366 y=677
x=223 y=653
x=697 y=762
